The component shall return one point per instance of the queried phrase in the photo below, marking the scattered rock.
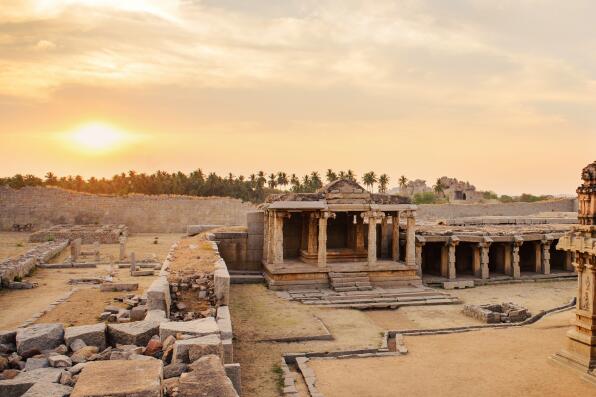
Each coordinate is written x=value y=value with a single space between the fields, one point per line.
x=8 y=337
x=200 y=327
x=174 y=370
x=207 y=378
x=36 y=363
x=83 y=354
x=75 y=369
x=17 y=386
x=190 y=350
x=59 y=361
x=77 y=344
x=3 y=363
x=92 y=335
x=135 y=333
x=153 y=347
x=48 y=390
x=10 y=373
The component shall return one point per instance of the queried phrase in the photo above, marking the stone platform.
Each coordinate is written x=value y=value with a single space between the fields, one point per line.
x=295 y=274
x=377 y=298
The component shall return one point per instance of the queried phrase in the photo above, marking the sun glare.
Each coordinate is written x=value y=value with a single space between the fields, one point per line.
x=97 y=137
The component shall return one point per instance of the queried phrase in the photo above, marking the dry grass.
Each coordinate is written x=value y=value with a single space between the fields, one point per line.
x=13 y=244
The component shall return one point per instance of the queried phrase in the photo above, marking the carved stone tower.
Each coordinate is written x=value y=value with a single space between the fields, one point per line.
x=580 y=349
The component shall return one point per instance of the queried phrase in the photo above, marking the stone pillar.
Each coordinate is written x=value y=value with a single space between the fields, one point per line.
x=322 y=251
x=360 y=233
x=75 y=249
x=545 y=246
x=476 y=265
x=484 y=258
x=96 y=251
x=312 y=234
x=507 y=259
x=420 y=241
x=569 y=262
x=538 y=256
x=395 y=237
x=384 y=239
x=410 y=238
x=452 y=243
x=133 y=262
x=372 y=240
x=445 y=260
x=515 y=270
x=278 y=237
x=122 y=241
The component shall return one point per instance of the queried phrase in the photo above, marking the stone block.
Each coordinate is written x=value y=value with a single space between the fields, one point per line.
x=190 y=350
x=135 y=333
x=138 y=313
x=92 y=335
x=458 y=284
x=207 y=378
x=233 y=372
x=156 y=315
x=174 y=370
x=48 y=390
x=36 y=363
x=228 y=350
x=221 y=281
x=120 y=378
x=39 y=337
x=8 y=337
x=200 y=327
x=59 y=361
x=158 y=295
x=17 y=386
x=224 y=322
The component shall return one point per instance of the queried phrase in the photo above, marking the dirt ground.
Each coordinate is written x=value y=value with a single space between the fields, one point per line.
x=14 y=243
x=257 y=313
x=88 y=302
x=193 y=255
x=504 y=362
x=534 y=296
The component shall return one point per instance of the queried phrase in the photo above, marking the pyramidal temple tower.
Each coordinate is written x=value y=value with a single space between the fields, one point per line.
x=580 y=349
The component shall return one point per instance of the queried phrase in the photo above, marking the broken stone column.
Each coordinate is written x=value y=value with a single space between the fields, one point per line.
x=122 y=241
x=515 y=269
x=96 y=251
x=133 y=262
x=451 y=244
x=484 y=257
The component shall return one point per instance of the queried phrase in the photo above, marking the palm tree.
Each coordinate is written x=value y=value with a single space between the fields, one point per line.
x=261 y=180
x=369 y=179
x=330 y=176
x=315 y=180
x=51 y=179
x=282 y=179
x=383 y=182
x=351 y=175
x=403 y=181
x=295 y=182
x=272 y=180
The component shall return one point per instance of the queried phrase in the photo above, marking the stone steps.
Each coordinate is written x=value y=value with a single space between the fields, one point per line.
x=350 y=281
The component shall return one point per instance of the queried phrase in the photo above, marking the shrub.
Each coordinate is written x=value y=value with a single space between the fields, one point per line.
x=425 y=198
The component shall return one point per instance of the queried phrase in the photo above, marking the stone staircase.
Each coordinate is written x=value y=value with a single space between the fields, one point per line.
x=349 y=281
x=376 y=298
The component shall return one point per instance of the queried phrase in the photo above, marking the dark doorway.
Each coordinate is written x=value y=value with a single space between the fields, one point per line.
x=464 y=259
x=431 y=258
x=527 y=257
x=558 y=258
x=293 y=236
x=496 y=258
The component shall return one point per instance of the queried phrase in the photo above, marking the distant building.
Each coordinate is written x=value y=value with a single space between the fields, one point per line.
x=453 y=189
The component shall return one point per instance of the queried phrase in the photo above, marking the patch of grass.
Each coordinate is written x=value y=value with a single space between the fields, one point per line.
x=18 y=279
x=50 y=238
x=20 y=245
x=279 y=379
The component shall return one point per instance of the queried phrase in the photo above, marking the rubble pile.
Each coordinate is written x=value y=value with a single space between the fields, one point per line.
x=12 y=270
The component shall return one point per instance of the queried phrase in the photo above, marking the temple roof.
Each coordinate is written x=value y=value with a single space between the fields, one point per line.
x=342 y=186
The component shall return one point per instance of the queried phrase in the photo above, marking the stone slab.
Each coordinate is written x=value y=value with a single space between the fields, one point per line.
x=120 y=378
x=233 y=372
x=92 y=335
x=40 y=337
x=48 y=390
x=458 y=284
x=17 y=386
x=190 y=350
x=200 y=327
x=118 y=287
x=135 y=333
x=207 y=378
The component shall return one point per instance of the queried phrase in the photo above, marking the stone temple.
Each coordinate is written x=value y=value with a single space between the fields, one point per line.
x=311 y=237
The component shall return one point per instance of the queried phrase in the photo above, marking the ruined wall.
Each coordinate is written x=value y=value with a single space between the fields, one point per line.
x=447 y=211
x=44 y=207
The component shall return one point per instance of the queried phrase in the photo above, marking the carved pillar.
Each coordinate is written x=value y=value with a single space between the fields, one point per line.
x=410 y=238
x=278 y=237
x=515 y=270
x=484 y=258
x=360 y=233
x=451 y=244
x=384 y=240
x=395 y=237
x=311 y=246
x=545 y=245
x=420 y=241
x=322 y=248
x=538 y=256
x=372 y=217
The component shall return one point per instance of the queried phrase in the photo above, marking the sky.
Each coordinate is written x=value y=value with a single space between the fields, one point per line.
x=498 y=93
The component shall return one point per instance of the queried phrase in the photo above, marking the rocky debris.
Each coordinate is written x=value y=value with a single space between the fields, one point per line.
x=171 y=386
x=120 y=378
x=75 y=369
x=36 y=363
x=17 y=386
x=190 y=350
x=207 y=378
x=138 y=313
x=117 y=287
x=112 y=309
x=174 y=370
x=200 y=327
x=77 y=344
x=21 y=285
x=84 y=354
x=19 y=267
x=48 y=390
x=153 y=347
x=39 y=337
x=59 y=361
x=135 y=333
x=91 y=335
x=9 y=374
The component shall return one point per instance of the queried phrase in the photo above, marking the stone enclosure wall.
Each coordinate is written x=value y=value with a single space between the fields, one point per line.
x=449 y=211
x=44 y=207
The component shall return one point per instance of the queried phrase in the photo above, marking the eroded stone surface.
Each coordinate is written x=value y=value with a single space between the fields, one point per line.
x=136 y=333
x=48 y=390
x=207 y=378
x=200 y=327
x=92 y=335
x=190 y=350
x=39 y=337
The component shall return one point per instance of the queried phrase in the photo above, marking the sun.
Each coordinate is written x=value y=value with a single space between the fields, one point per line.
x=97 y=137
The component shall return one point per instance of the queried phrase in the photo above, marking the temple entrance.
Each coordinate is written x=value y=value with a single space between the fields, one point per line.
x=558 y=258
x=337 y=231
x=431 y=258
x=527 y=257
x=496 y=258
x=346 y=238
x=292 y=230
x=464 y=259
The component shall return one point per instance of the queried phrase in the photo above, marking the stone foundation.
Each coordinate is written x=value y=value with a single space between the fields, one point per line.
x=497 y=313
x=89 y=234
x=19 y=267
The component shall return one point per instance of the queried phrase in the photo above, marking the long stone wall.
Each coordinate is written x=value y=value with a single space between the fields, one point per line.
x=449 y=211
x=44 y=207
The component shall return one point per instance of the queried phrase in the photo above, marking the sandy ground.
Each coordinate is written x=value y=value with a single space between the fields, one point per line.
x=253 y=307
x=505 y=362
x=14 y=243
x=85 y=305
x=534 y=296
x=193 y=255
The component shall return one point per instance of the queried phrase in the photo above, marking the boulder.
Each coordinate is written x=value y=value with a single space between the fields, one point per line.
x=174 y=370
x=48 y=390
x=8 y=337
x=92 y=335
x=136 y=333
x=83 y=354
x=77 y=344
x=120 y=379
x=75 y=369
x=59 y=361
x=39 y=337
x=200 y=327
x=207 y=378
x=36 y=363
x=138 y=313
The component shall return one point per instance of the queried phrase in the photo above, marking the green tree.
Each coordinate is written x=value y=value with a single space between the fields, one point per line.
x=369 y=179
x=403 y=181
x=330 y=176
x=383 y=183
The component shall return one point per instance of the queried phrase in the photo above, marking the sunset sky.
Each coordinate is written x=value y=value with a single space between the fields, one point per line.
x=500 y=93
